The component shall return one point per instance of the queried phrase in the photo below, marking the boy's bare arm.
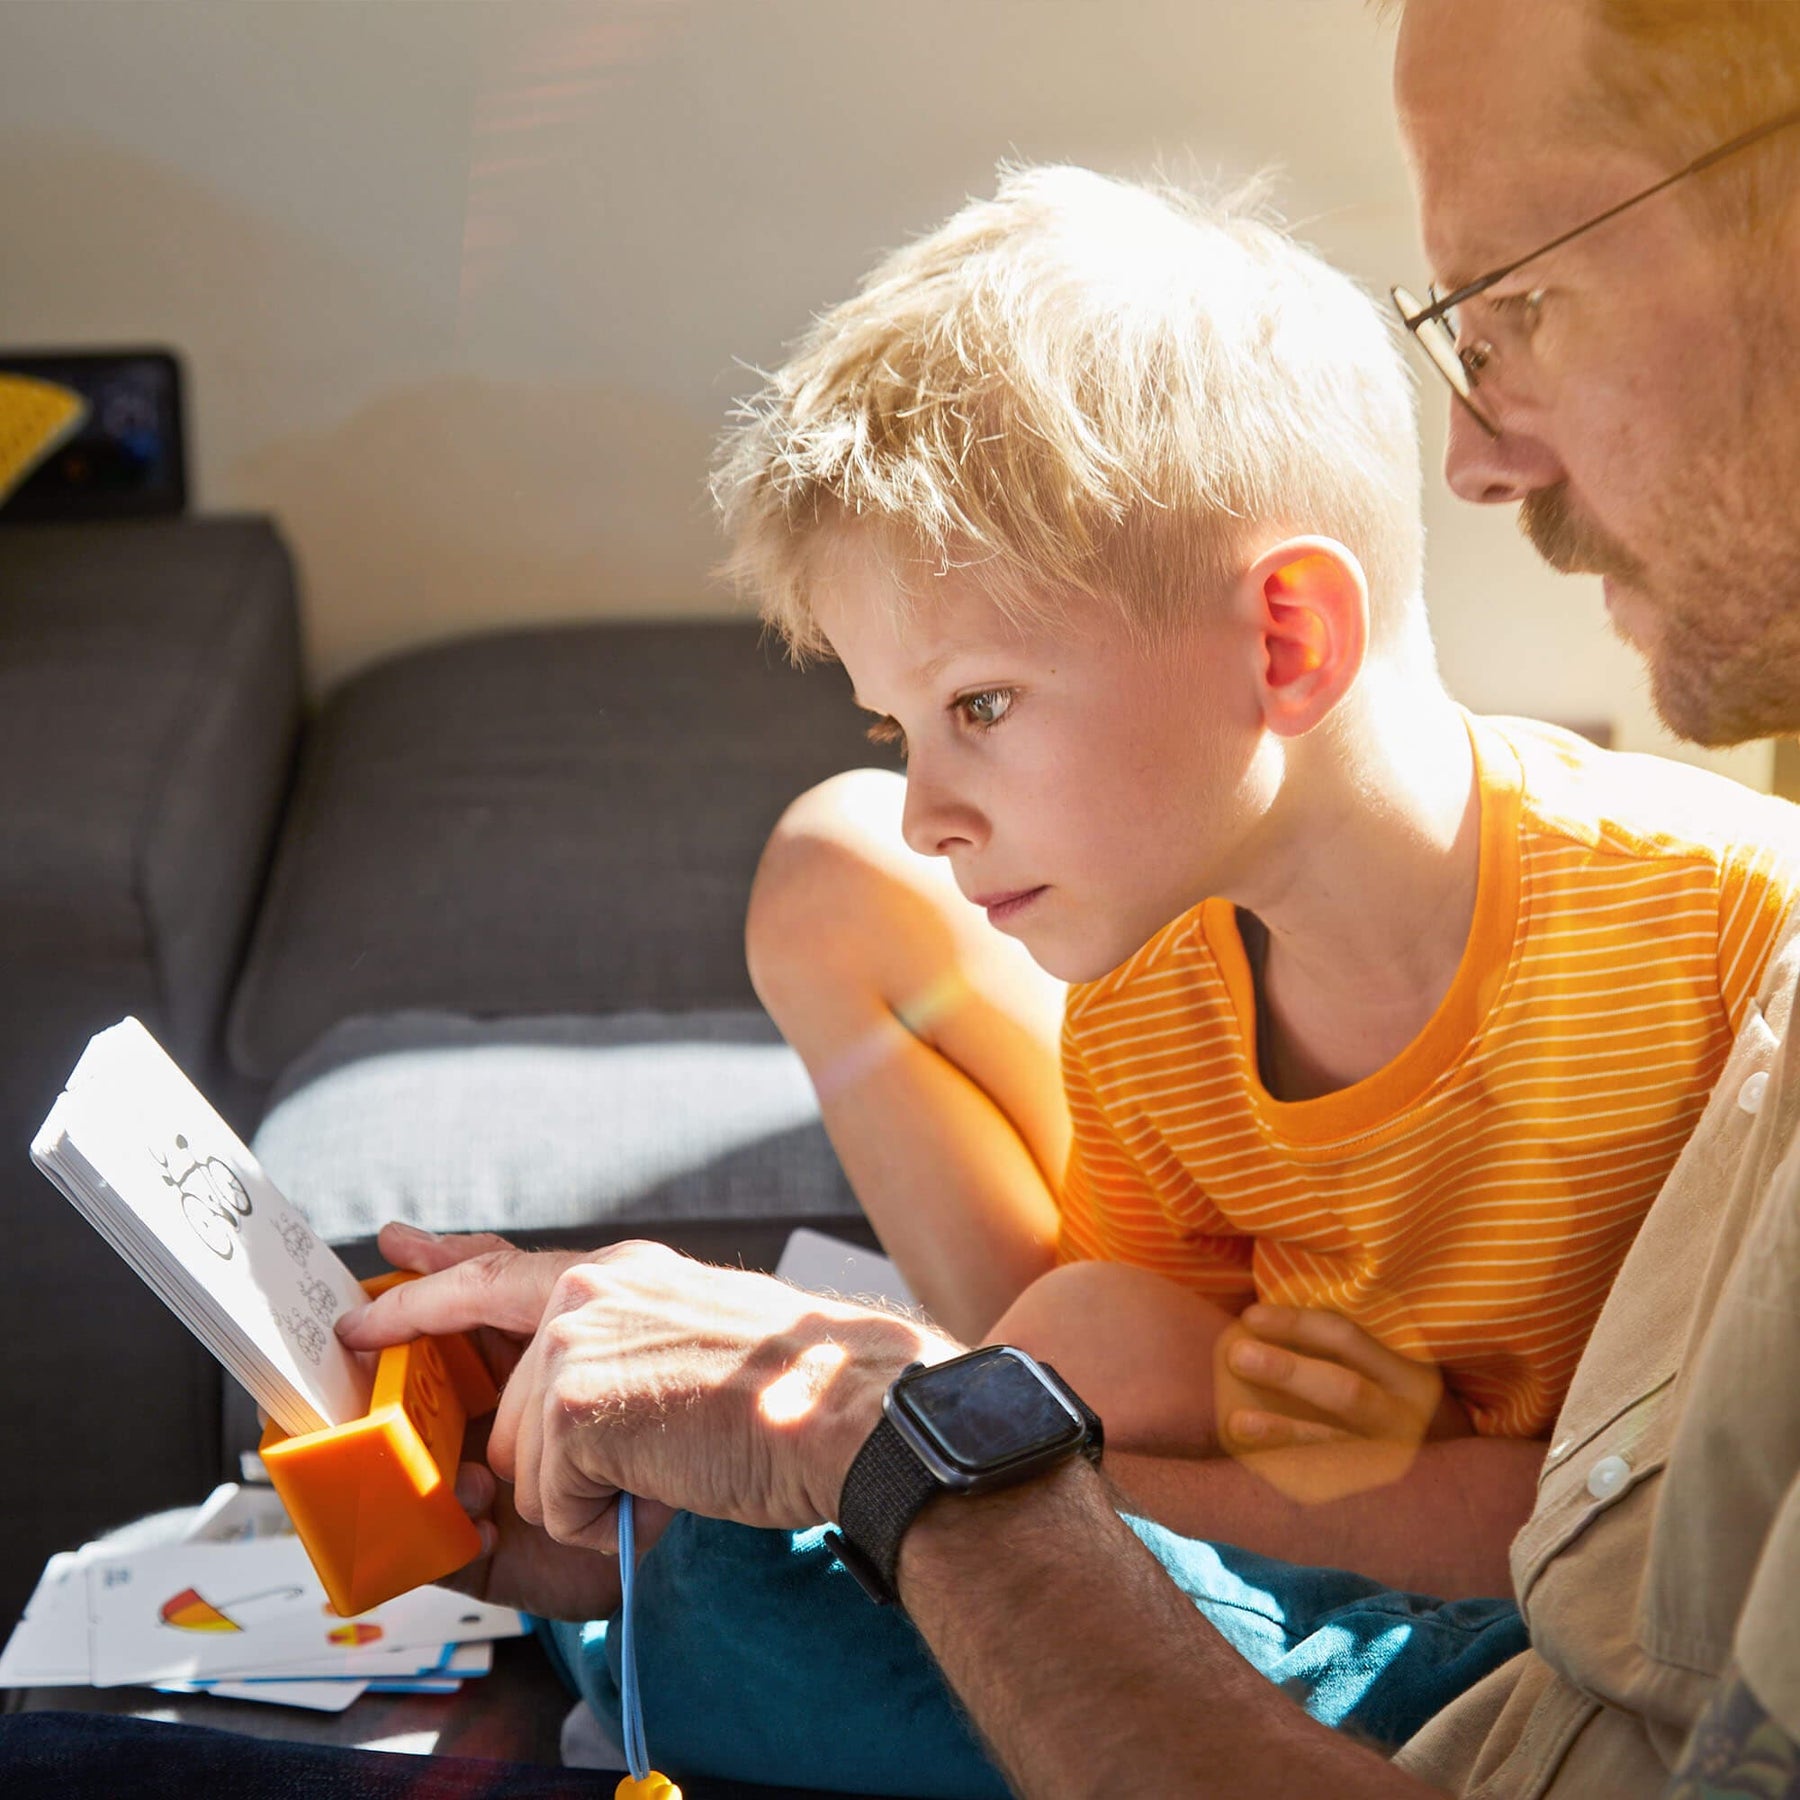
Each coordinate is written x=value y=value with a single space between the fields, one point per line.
x=947 y=1180
x=932 y=1041
x=1436 y=1519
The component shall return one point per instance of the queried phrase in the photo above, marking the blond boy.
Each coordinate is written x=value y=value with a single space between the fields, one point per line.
x=1384 y=1023
x=1392 y=1018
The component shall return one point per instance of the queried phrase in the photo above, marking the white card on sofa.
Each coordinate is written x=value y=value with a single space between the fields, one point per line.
x=828 y=1265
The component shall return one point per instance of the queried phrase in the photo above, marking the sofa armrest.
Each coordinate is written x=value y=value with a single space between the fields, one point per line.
x=149 y=705
x=149 y=701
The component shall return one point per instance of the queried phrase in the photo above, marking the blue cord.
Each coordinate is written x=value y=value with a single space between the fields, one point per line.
x=631 y=1705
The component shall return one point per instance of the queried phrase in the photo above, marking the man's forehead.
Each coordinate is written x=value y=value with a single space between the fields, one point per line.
x=1489 y=95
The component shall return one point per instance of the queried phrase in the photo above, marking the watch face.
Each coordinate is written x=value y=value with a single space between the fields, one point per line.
x=988 y=1410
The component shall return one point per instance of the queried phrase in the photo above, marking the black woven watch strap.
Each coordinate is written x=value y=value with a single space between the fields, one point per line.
x=883 y=1492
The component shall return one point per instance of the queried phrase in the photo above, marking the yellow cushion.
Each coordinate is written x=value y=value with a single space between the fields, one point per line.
x=35 y=416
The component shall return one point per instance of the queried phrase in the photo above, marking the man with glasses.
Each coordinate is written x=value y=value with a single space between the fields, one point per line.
x=1607 y=190
x=1633 y=385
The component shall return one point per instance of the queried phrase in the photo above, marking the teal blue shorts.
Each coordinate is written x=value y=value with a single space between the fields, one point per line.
x=760 y=1659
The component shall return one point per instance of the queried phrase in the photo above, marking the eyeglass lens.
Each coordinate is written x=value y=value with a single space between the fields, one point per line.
x=1437 y=338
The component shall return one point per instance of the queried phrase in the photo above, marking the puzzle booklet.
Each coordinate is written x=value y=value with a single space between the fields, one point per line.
x=148 y=1163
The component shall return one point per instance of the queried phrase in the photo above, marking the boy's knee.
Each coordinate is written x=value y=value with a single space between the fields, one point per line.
x=858 y=810
x=1135 y=1348
x=823 y=881
x=1061 y=1309
x=1062 y=1319
x=812 y=881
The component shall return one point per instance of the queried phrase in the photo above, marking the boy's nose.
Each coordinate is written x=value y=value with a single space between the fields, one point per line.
x=933 y=822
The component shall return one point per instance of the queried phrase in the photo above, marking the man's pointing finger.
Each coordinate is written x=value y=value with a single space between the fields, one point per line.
x=506 y=1289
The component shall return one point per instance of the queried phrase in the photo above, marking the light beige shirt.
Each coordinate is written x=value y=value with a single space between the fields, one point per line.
x=1666 y=1539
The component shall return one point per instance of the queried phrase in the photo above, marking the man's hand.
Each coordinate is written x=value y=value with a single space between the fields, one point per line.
x=522 y=1566
x=521 y=1278
x=710 y=1390
x=1305 y=1376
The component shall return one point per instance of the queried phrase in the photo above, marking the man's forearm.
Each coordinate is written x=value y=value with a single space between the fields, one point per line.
x=1089 y=1673
x=1441 y=1525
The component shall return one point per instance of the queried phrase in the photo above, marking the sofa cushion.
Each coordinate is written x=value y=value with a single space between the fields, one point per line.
x=553 y=821
x=529 y=1125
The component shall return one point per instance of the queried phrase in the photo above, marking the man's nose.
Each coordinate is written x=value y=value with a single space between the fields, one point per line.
x=1497 y=471
x=934 y=821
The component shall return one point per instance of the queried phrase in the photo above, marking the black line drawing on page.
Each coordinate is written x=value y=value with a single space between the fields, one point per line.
x=318 y=1295
x=295 y=1236
x=305 y=1332
x=213 y=1200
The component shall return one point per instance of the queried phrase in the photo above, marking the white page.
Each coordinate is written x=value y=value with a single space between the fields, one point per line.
x=185 y=1202
x=49 y=1645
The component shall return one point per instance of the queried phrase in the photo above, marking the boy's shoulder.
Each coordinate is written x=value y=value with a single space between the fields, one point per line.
x=1650 y=808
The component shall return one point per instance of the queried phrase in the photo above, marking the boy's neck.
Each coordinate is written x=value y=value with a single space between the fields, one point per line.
x=1366 y=886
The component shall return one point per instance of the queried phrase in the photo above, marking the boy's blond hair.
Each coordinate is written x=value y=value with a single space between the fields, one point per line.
x=1084 y=385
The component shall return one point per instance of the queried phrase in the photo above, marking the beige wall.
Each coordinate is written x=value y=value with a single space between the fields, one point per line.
x=464 y=285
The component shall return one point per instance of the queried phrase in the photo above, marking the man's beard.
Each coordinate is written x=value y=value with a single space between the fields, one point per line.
x=1570 y=543
x=1724 y=652
x=1712 y=581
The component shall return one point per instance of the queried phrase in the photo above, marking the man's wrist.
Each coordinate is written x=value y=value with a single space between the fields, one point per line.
x=850 y=1407
x=954 y=1526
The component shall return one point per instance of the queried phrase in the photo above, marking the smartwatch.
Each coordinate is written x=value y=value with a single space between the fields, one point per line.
x=978 y=1422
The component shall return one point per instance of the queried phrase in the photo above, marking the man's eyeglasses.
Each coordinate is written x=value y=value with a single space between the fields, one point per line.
x=1432 y=321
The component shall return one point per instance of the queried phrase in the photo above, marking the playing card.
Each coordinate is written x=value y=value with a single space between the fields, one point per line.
x=49 y=1645
x=377 y=1663
x=190 y=1612
x=315 y=1696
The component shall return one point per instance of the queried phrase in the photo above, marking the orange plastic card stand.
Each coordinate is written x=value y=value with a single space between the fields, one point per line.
x=374 y=1501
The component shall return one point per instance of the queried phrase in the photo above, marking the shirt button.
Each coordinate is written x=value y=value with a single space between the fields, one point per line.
x=1607 y=1476
x=1750 y=1095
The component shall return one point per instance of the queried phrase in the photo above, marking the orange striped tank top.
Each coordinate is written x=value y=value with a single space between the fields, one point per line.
x=1471 y=1201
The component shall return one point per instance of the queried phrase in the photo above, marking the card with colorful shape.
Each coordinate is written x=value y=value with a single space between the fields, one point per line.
x=187 y=1612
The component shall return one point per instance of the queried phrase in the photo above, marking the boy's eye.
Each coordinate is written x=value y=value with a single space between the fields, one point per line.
x=986 y=708
x=887 y=731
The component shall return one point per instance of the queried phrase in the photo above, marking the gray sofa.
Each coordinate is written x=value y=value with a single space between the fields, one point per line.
x=464 y=947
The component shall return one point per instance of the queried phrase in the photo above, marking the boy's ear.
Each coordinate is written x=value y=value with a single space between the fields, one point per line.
x=1311 y=604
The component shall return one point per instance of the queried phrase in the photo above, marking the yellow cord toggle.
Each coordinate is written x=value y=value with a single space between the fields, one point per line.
x=652 y=1787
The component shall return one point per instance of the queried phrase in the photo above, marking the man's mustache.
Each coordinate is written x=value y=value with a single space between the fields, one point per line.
x=1566 y=541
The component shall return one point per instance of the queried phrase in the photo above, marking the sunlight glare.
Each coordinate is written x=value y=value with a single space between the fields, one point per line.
x=790 y=1397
